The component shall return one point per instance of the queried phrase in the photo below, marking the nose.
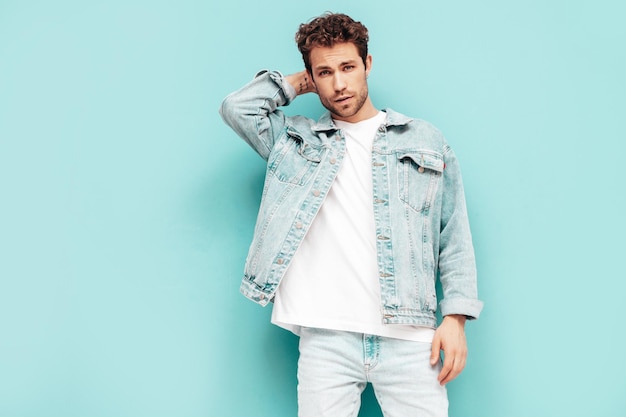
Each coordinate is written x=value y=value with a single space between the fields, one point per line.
x=339 y=82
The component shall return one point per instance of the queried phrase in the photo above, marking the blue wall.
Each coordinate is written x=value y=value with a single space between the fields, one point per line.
x=127 y=206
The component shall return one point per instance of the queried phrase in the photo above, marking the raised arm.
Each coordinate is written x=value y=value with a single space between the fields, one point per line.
x=252 y=111
x=301 y=82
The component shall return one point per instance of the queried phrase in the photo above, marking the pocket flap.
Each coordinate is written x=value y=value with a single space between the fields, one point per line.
x=424 y=159
x=305 y=149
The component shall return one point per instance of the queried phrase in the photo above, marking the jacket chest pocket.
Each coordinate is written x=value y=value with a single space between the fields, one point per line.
x=295 y=161
x=419 y=174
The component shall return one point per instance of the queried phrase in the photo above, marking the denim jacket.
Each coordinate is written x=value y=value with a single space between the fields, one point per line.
x=422 y=228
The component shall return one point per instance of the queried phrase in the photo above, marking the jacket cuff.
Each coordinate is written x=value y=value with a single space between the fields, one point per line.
x=468 y=307
x=279 y=79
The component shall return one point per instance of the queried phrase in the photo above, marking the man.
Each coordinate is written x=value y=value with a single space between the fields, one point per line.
x=360 y=212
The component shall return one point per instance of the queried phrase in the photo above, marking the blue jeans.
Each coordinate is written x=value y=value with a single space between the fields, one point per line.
x=335 y=366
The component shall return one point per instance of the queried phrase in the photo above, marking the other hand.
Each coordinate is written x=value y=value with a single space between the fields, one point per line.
x=450 y=338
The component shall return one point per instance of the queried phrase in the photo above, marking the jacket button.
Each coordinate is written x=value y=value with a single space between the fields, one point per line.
x=381 y=237
x=332 y=161
x=420 y=169
x=379 y=200
x=298 y=225
x=280 y=261
x=316 y=193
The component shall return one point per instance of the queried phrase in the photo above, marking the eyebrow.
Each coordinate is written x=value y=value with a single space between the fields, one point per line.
x=341 y=64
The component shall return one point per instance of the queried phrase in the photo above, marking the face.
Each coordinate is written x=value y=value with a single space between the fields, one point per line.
x=340 y=77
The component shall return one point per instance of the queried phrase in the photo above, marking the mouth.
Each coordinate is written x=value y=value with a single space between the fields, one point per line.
x=343 y=99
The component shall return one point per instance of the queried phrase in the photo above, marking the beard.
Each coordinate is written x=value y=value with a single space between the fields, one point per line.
x=350 y=107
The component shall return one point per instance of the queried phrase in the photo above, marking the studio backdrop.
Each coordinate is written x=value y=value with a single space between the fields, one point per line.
x=127 y=206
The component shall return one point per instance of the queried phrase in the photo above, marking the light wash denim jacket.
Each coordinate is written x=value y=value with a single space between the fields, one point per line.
x=419 y=205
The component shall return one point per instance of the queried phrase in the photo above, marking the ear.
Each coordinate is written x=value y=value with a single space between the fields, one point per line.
x=308 y=73
x=368 y=65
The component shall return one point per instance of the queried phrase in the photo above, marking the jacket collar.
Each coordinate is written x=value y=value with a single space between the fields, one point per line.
x=325 y=123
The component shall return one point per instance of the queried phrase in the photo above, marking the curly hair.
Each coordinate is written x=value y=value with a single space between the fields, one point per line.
x=328 y=30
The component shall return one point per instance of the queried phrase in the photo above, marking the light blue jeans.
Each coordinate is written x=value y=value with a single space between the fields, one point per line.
x=335 y=366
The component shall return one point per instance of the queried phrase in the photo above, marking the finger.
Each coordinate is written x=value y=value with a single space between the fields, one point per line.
x=454 y=372
x=434 y=351
x=448 y=364
x=457 y=368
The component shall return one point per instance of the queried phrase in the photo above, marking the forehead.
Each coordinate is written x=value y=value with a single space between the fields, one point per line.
x=322 y=56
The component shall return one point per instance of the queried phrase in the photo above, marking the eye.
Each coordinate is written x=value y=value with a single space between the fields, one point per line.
x=323 y=73
x=348 y=68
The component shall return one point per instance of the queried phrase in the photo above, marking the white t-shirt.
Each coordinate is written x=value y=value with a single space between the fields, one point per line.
x=333 y=281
